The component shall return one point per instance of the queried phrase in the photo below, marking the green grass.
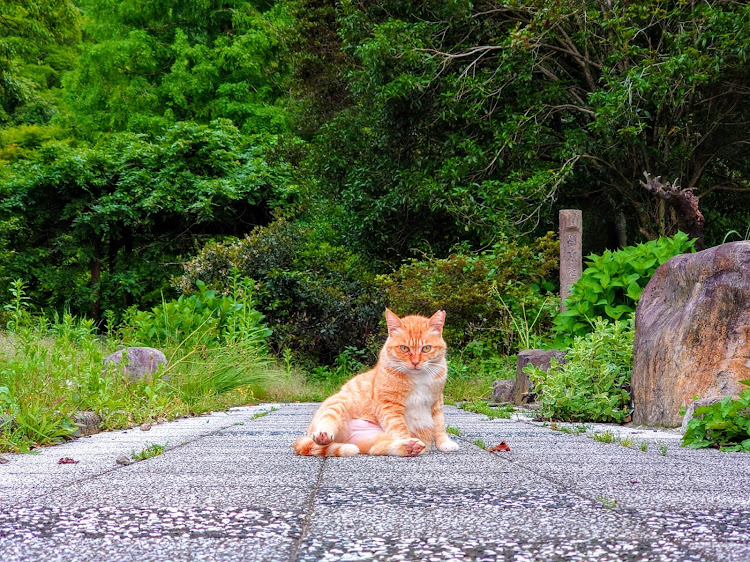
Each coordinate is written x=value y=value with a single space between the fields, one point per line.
x=452 y=430
x=52 y=369
x=604 y=437
x=263 y=413
x=480 y=443
x=492 y=412
x=470 y=379
x=607 y=503
x=152 y=450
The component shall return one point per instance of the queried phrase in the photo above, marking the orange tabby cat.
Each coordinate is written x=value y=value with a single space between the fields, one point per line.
x=395 y=408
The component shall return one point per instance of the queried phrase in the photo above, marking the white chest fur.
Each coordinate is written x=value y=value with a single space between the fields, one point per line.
x=418 y=411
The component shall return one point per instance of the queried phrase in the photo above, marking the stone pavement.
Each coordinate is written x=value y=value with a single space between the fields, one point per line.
x=229 y=487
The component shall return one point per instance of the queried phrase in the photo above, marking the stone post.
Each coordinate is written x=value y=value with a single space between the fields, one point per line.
x=571 y=259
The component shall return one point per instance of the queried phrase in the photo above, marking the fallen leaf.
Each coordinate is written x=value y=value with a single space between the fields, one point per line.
x=67 y=460
x=502 y=446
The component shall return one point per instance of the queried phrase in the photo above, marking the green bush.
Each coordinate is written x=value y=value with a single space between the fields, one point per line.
x=490 y=298
x=612 y=283
x=593 y=385
x=725 y=425
x=205 y=319
x=218 y=342
x=318 y=298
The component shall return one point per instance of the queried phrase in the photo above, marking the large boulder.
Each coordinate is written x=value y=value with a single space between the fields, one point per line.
x=692 y=333
x=138 y=363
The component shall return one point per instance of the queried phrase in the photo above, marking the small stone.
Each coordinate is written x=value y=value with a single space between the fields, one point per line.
x=540 y=358
x=161 y=420
x=146 y=427
x=3 y=460
x=123 y=460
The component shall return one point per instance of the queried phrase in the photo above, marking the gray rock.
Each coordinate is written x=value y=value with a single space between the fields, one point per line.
x=87 y=422
x=541 y=358
x=693 y=406
x=138 y=362
x=503 y=391
x=692 y=333
x=123 y=460
x=146 y=427
x=3 y=460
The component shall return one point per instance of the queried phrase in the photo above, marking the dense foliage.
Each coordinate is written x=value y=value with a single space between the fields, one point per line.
x=464 y=119
x=611 y=285
x=352 y=155
x=93 y=227
x=145 y=65
x=319 y=298
x=725 y=425
x=38 y=43
x=593 y=384
x=482 y=293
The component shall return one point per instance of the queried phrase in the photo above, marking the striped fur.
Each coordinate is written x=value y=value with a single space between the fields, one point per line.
x=402 y=395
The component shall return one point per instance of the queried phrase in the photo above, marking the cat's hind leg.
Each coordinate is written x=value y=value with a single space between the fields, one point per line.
x=393 y=446
x=305 y=446
x=328 y=424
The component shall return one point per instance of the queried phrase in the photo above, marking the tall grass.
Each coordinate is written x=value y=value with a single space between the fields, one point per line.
x=51 y=368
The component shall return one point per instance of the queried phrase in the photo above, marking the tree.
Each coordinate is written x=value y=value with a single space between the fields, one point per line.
x=467 y=119
x=145 y=65
x=104 y=226
x=171 y=135
x=37 y=39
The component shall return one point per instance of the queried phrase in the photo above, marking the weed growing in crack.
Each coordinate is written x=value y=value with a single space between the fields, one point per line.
x=152 y=450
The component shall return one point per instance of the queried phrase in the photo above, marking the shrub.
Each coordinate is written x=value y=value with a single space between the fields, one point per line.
x=612 y=283
x=318 y=297
x=483 y=294
x=725 y=425
x=205 y=318
x=594 y=382
x=218 y=342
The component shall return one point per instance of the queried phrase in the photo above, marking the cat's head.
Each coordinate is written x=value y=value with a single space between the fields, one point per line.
x=415 y=343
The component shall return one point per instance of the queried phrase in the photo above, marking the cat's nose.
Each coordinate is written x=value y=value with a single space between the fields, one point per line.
x=415 y=361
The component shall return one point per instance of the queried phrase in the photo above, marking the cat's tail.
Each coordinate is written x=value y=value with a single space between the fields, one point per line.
x=307 y=447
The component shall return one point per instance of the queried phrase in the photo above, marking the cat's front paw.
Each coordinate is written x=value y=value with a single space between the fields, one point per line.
x=322 y=437
x=447 y=446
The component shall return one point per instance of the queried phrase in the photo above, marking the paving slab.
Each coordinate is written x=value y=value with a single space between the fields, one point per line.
x=229 y=487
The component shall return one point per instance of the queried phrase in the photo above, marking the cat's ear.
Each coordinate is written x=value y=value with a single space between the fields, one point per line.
x=394 y=323
x=437 y=321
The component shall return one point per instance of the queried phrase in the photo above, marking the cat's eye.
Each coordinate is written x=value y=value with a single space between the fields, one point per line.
x=405 y=348
x=426 y=348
